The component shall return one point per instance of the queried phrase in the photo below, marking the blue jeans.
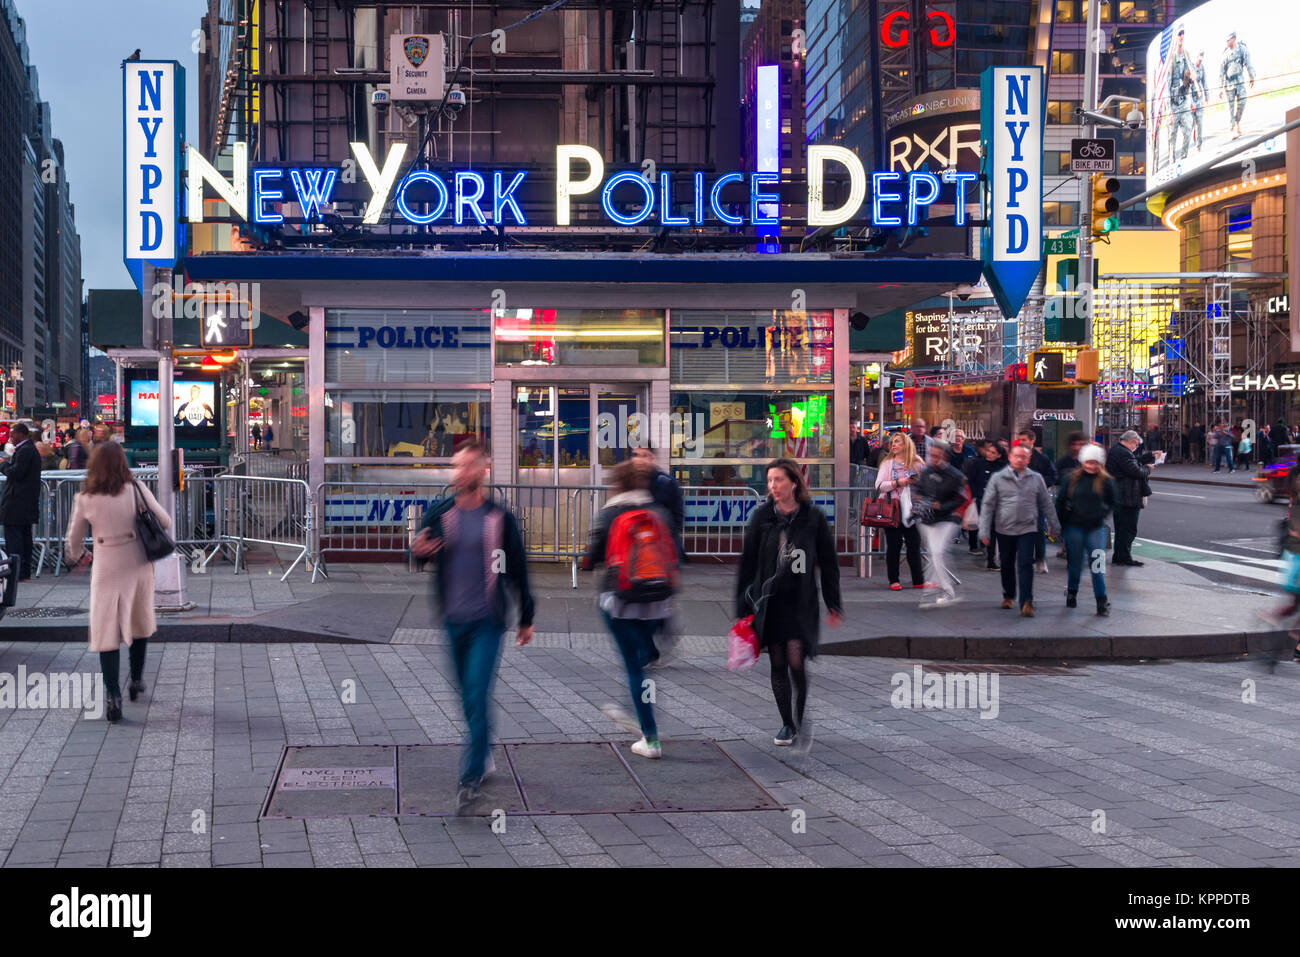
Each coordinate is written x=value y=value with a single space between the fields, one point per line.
x=475 y=648
x=635 y=640
x=1222 y=452
x=1081 y=548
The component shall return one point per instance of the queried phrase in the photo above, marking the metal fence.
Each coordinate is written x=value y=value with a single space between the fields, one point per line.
x=264 y=510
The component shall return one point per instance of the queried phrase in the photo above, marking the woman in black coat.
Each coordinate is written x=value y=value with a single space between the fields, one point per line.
x=988 y=459
x=788 y=543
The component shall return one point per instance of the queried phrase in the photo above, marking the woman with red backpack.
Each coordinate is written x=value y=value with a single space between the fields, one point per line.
x=788 y=544
x=633 y=537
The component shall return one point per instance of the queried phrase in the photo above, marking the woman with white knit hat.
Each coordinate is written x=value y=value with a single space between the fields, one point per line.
x=1083 y=503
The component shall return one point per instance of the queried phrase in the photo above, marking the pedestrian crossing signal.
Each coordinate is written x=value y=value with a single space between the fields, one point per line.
x=1105 y=205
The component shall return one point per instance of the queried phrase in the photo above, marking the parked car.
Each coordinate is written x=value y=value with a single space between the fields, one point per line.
x=1271 y=480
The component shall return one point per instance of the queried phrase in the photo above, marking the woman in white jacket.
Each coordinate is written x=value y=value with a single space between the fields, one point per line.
x=121 y=576
x=897 y=473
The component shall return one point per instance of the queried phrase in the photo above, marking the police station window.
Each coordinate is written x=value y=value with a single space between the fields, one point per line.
x=402 y=423
x=747 y=347
x=371 y=346
x=579 y=337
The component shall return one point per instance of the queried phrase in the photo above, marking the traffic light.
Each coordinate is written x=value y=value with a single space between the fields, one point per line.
x=1105 y=205
x=1086 y=366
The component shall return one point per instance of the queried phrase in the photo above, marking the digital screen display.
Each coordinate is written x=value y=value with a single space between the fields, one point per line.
x=193 y=407
x=1226 y=71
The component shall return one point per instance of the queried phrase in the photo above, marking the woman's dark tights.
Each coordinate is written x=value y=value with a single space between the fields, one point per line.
x=787 y=664
x=111 y=663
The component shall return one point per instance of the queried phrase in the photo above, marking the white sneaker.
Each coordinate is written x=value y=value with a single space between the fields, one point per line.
x=488 y=769
x=648 y=749
x=1042 y=567
x=945 y=600
x=620 y=717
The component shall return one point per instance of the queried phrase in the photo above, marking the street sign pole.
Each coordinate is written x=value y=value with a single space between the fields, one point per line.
x=1086 y=273
x=169 y=572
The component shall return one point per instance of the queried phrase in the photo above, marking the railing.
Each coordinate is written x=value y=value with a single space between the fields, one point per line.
x=266 y=511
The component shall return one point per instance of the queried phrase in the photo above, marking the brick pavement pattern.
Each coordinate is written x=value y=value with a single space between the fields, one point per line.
x=1185 y=771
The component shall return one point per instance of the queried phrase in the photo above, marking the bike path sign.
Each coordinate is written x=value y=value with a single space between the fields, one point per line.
x=1092 y=156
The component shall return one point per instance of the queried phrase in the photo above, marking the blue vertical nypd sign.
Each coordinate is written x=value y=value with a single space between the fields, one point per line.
x=153 y=130
x=1012 y=113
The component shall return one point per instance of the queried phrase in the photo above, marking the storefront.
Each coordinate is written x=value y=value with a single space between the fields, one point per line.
x=410 y=356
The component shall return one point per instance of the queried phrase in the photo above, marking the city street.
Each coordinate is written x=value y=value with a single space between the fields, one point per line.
x=1158 y=765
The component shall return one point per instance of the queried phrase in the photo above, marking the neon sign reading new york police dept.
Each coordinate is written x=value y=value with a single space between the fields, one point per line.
x=423 y=197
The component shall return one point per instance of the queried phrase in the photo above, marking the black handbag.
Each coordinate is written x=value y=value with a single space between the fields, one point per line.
x=157 y=543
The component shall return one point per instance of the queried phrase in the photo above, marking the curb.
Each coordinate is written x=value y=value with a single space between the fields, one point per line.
x=927 y=648
x=1188 y=481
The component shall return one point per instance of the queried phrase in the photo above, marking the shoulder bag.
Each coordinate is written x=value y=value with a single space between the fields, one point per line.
x=882 y=511
x=157 y=544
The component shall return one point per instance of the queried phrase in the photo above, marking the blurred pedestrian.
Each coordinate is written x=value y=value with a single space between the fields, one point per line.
x=257 y=436
x=1017 y=501
x=20 y=500
x=121 y=574
x=478 y=551
x=1244 y=450
x=962 y=451
x=1084 y=502
x=978 y=470
x=1222 y=438
x=940 y=491
x=1040 y=463
x=1130 y=474
x=894 y=478
x=920 y=438
x=788 y=545
x=632 y=537
x=79 y=450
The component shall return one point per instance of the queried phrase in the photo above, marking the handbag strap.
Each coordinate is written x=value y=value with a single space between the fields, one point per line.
x=139 y=499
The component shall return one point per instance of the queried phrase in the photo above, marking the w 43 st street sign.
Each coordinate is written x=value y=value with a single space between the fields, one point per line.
x=1061 y=246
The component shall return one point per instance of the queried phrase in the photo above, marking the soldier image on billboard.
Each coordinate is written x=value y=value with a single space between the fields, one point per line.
x=1181 y=100
x=1232 y=76
x=1200 y=96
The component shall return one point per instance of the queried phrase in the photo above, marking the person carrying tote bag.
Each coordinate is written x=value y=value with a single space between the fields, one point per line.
x=121 y=573
x=897 y=473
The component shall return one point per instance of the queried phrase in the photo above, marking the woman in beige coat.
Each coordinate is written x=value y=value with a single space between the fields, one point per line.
x=121 y=577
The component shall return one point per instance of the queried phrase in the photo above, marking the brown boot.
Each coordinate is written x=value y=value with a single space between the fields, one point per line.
x=1008 y=603
x=1027 y=610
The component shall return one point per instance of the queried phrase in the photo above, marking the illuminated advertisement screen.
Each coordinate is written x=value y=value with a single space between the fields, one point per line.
x=767 y=140
x=1223 y=73
x=193 y=407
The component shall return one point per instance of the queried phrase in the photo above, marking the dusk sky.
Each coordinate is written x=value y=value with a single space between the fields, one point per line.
x=77 y=47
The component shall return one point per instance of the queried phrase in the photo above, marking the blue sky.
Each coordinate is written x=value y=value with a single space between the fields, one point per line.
x=77 y=47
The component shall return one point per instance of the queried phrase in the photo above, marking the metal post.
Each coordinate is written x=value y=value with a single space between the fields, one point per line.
x=169 y=572
x=1091 y=53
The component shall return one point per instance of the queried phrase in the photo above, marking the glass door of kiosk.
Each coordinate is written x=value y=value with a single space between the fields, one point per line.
x=622 y=422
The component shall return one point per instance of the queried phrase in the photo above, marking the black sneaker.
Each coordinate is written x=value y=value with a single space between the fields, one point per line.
x=1071 y=599
x=785 y=736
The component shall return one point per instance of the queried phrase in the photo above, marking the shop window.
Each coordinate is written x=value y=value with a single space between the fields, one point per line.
x=780 y=347
x=371 y=346
x=1060 y=214
x=1061 y=112
x=553 y=425
x=403 y=423
x=579 y=337
x=742 y=431
x=1192 y=243
x=1238 y=237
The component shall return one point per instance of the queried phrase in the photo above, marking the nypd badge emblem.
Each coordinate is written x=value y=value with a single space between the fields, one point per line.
x=416 y=49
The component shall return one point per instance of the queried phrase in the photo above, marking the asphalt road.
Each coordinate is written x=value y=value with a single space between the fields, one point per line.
x=1221 y=533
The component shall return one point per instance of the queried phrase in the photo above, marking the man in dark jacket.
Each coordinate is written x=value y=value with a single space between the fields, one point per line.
x=988 y=459
x=1068 y=462
x=1130 y=474
x=20 y=506
x=1196 y=444
x=940 y=491
x=858 y=448
x=478 y=549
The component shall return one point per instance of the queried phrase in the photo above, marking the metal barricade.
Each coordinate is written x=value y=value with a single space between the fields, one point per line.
x=366 y=518
x=264 y=510
x=843 y=508
x=715 y=518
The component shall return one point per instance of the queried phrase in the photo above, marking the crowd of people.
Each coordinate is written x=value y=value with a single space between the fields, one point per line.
x=1235 y=446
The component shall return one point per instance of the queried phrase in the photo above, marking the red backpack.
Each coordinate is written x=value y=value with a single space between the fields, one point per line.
x=641 y=547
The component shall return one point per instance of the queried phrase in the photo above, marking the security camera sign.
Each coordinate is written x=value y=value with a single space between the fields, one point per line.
x=418 y=65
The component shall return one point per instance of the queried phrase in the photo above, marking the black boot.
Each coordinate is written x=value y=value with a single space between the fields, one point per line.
x=1103 y=605
x=113 y=712
x=135 y=689
x=1071 y=600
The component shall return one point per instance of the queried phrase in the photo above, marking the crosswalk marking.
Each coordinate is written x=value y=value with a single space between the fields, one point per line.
x=1243 y=571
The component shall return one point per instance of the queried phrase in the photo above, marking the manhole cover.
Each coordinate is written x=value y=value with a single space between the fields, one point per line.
x=580 y=777
x=1011 y=671
x=30 y=613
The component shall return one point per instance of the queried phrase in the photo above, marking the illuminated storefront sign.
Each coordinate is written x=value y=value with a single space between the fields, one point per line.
x=1286 y=382
x=401 y=337
x=894 y=31
x=626 y=198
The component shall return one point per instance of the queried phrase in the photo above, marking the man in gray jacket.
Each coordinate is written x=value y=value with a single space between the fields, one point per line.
x=1015 y=500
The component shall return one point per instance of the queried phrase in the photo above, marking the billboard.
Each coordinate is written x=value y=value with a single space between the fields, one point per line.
x=193 y=407
x=1223 y=73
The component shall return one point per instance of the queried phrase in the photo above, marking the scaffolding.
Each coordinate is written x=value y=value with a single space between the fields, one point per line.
x=1166 y=347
